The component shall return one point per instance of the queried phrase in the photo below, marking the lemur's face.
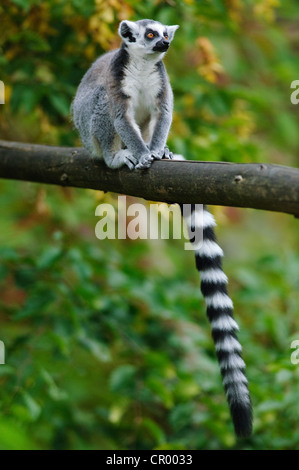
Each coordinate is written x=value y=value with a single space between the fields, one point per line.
x=148 y=37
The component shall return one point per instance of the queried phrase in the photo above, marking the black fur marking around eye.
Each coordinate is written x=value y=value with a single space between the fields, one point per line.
x=150 y=31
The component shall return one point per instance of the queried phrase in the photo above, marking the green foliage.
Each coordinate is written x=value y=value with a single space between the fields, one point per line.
x=107 y=342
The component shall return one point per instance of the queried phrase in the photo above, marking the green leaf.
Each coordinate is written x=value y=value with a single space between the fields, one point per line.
x=33 y=407
x=97 y=349
x=60 y=103
x=49 y=257
x=155 y=430
x=14 y=436
x=35 y=304
x=122 y=378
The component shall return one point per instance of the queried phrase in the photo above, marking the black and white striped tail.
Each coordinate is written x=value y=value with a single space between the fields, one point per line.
x=208 y=257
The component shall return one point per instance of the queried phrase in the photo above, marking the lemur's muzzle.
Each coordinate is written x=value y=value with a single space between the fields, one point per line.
x=161 y=46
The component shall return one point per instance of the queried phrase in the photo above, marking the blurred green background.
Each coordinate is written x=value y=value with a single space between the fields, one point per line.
x=107 y=342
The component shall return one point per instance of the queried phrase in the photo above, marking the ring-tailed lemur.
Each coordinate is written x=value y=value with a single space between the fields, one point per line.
x=123 y=105
x=123 y=111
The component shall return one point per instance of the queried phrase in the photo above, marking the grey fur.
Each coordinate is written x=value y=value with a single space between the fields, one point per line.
x=124 y=104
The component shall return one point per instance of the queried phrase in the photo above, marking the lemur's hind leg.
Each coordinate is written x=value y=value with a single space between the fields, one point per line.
x=108 y=145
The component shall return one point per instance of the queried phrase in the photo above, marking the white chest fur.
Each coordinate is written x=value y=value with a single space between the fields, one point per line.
x=142 y=83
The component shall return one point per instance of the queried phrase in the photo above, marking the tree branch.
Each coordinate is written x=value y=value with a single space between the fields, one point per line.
x=257 y=186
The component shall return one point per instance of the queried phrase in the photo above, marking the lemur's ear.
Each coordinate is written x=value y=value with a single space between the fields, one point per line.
x=128 y=31
x=171 y=30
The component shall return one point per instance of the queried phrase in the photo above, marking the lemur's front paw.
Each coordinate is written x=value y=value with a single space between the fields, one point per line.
x=164 y=153
x=156 y=154
x=168 y=154
x=145 y=161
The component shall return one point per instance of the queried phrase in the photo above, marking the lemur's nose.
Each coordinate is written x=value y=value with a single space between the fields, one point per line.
x=161 y=46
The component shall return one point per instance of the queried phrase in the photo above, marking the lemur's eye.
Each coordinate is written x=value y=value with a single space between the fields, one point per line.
x=166 y=37
x=150 y=35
